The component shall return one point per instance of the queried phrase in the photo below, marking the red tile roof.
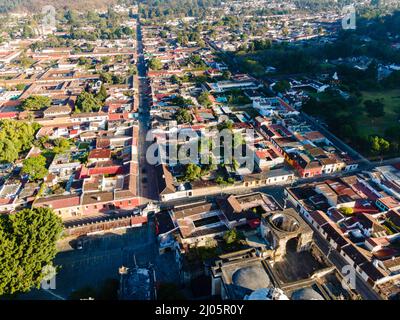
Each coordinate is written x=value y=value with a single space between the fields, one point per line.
x=100 y=154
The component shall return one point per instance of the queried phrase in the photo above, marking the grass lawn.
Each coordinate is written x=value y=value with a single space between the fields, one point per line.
x=391 y=100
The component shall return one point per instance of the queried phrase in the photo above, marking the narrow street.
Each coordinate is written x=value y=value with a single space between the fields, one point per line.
x=147 y=179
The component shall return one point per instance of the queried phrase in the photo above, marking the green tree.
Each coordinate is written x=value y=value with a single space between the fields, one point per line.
x=27 y=245
x=15 y=137
x=196 y=59
x=61 y=145
x=201 y=79
x=238 y=140
x=181 y=101
x=20 y=86
x=83 y=61
x=25 y=61
x=192 y=172
x=282 y=86
x=374 y=109
x=220 y=180
x=231 y=236
x=133 y=70
x=27 y=31
x=226 y=75
x=211 y=166
x=106 y=77
x=102 y=94
x=204 y=99
x=41 y=142
x=87 y=102
x=155 y=64
x=34 y=103
x=118 y=79
x=183 y=116
x=175 y=79
x=8 y=151
x=225 y=125
x=347 y=211
x=163 y=34
x=105 y=60
x=235 y=164
x=379 y=146
x=35 y=167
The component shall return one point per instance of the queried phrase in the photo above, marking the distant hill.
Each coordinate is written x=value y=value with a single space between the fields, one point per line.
x=36 y=5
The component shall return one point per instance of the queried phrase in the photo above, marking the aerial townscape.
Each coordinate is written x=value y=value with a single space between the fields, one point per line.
x=199 y=150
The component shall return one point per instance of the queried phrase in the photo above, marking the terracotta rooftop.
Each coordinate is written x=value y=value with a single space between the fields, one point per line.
x=98 y=197
x=100 y=154
x=389 y=202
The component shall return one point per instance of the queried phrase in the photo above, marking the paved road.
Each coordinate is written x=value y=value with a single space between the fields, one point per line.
x=147 y=180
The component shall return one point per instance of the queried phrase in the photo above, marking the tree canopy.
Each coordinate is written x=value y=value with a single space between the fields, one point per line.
x=227 y=124
x=204 y=99
x=231 y=236
x=35 y=167
x=226 y=75
x=102 y=94
x=34 y=103
x=183 y=116
x=192 y=172
x=87 y=102
x=347 y=211
x=27 y=245
x=181 y=101
x=379 y=146
x=61 y=145
x=155 y=64
x=15 y=137
x=374 y=109
x=282 y=86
